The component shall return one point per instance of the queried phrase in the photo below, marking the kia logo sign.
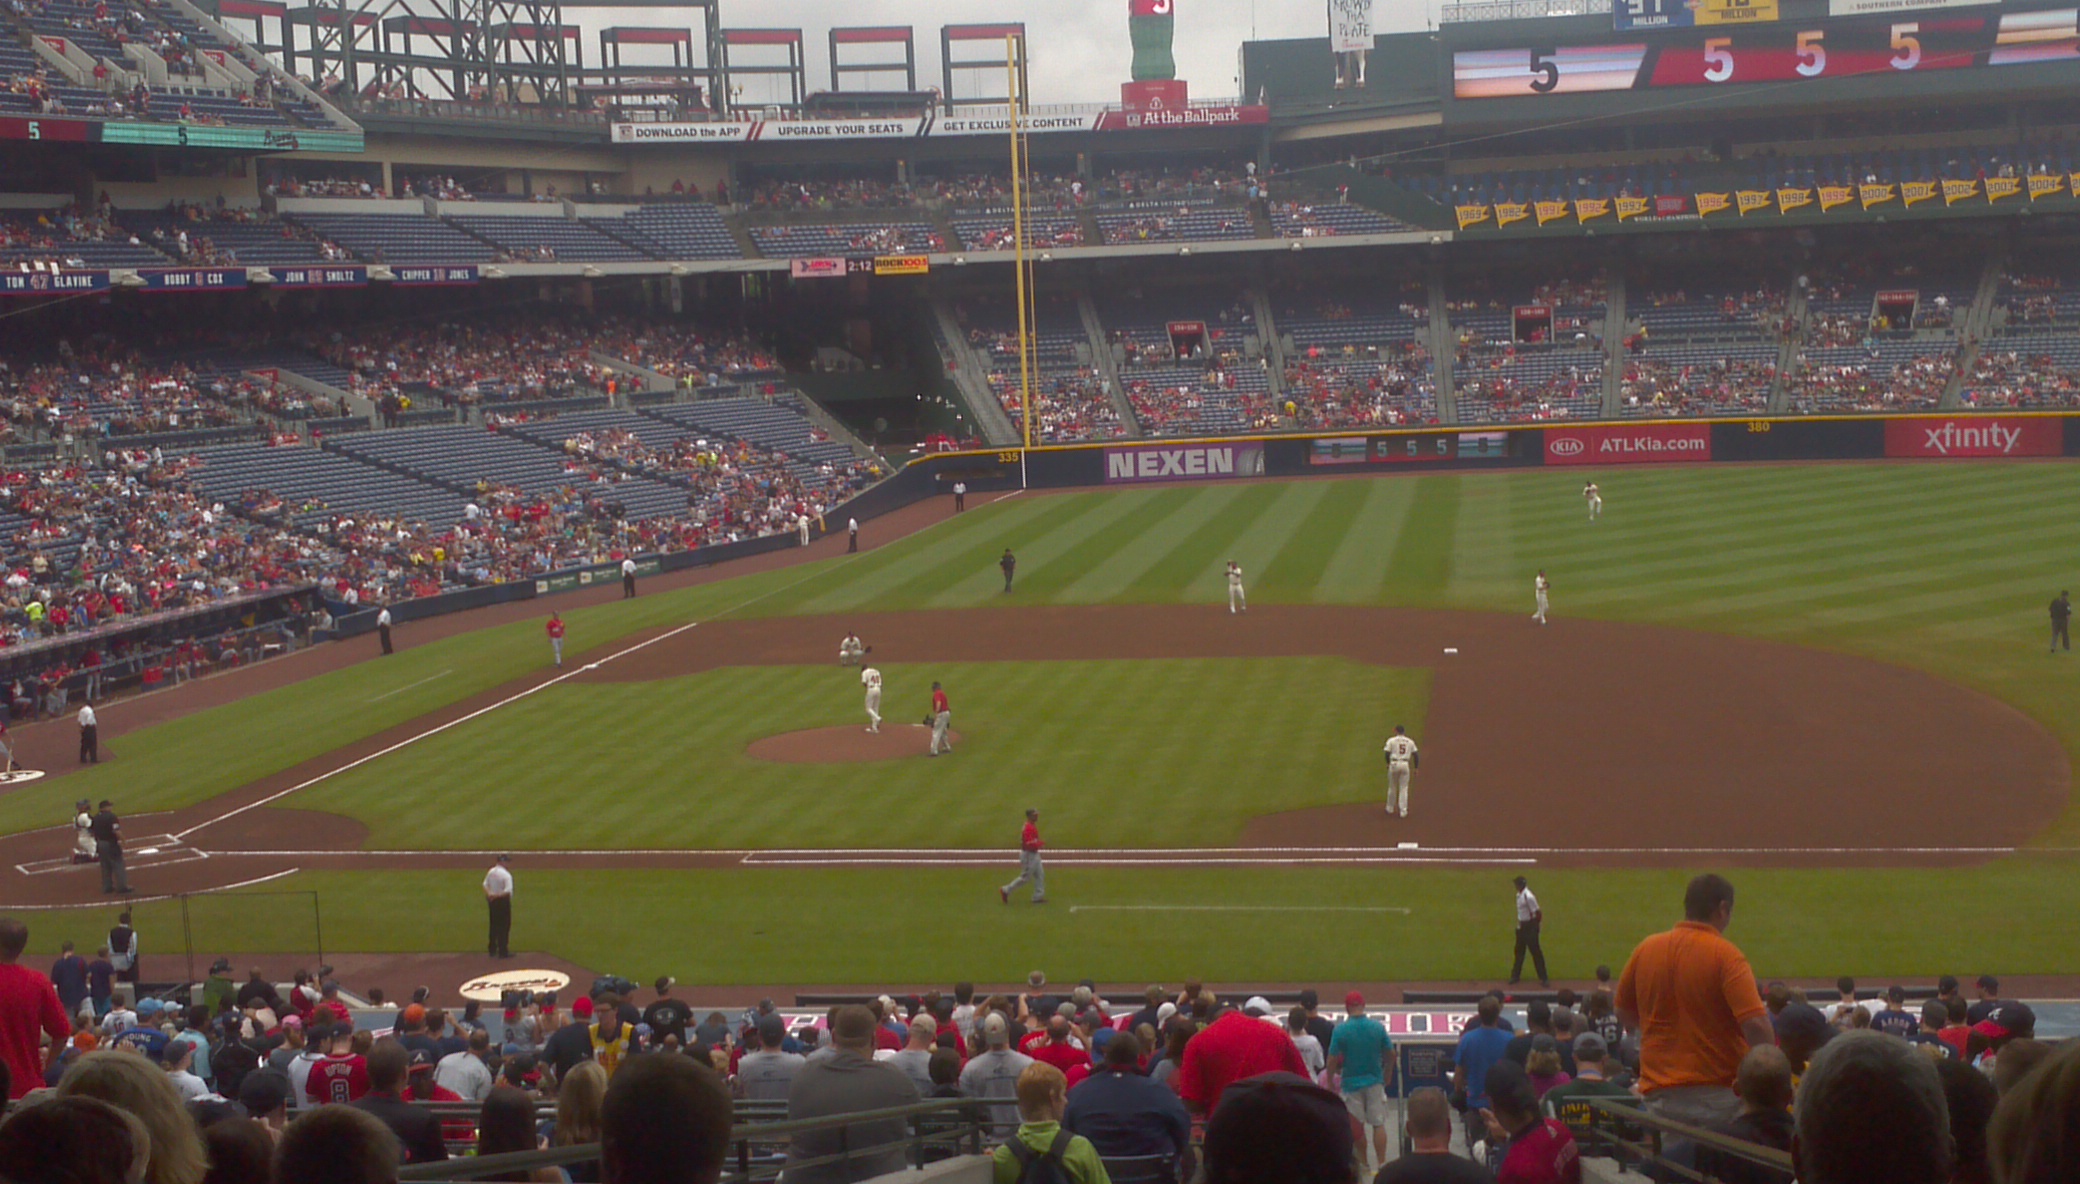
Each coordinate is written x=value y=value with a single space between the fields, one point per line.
x=1629 y=444
x=1568 y=446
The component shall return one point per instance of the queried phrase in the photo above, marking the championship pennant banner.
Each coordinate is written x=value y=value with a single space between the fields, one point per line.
x=1744 y=203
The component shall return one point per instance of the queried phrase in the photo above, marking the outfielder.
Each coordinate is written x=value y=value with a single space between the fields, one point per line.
x=1539 y=588
x=1594 y=497
x=1237 y=602
x=850 y=650
x=1401 y=757
x=1029 y=868
x=555 y=630
x=871 y=679
x=942 y=714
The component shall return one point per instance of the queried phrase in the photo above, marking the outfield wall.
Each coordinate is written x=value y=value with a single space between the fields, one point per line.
x=1962 y=436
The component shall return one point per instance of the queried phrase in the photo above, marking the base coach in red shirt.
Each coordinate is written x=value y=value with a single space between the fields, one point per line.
x=1029 y=845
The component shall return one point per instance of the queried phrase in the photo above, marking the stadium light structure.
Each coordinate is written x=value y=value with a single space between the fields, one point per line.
x=1021 y=263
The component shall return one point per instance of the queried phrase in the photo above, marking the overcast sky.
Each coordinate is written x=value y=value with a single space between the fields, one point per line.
x=1079 y=50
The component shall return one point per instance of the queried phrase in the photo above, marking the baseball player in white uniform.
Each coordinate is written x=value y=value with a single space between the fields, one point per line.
x=871 y=679
x=1539 y=588
x=850 y=649
x=1401 y=757
x=1594 y=497
x=1237 y=602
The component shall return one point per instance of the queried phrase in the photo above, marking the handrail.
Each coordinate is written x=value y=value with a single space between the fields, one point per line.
x=972 y=1112
x=1741 y=1149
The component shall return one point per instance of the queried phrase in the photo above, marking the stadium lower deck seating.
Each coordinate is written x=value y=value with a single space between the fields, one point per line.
x=395 y=238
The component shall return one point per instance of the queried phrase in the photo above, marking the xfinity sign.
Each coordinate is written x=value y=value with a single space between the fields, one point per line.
x=1184 y=463
x=1975 y=436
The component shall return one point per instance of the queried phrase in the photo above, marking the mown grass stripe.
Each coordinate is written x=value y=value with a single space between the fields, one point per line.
x=1358 y=566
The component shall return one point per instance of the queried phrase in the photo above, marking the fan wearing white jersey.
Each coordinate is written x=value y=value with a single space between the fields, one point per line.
x=1594 y=497
x=1539 y=588
x=1401 y=757
x=1237 y=602
x=871 y=679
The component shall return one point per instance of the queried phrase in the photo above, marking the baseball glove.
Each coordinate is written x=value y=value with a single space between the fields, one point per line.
x=927 y=721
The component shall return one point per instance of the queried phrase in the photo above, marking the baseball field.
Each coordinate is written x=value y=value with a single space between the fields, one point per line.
x=1829 y=680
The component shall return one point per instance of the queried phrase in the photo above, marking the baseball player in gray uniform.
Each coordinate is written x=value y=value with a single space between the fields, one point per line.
x=1539 y=588
x=871 y=679
x=1401 y=757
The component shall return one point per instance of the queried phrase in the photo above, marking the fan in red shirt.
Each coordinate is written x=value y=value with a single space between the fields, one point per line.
x=1235 y=1046
x=341 y=1076
x=1054 y=1046
x=1538 y=1150
x=29 y=1009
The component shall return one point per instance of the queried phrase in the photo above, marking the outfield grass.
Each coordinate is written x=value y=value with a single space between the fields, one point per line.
x=1941 y=566
x=1092 y=744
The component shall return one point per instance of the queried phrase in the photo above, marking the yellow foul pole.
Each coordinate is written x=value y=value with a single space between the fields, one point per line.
x=1020 y=264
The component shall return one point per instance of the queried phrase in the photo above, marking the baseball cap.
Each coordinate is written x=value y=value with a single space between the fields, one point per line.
x=581 y=1006
x=292 y=1021
x=1803 y=1020
x=150 y=1007
x=414 y=1014
x=420 y=1059
x=1101 y=1038
x=1278 y=1126
x=772 y=1029
x=1545 y=1043
x=1353 y=1001
x=1946 y=984
x=262 y=1093
x=1588 y=1047
x=1257 y=1005
x=993 y=1029
x=2009 y=1019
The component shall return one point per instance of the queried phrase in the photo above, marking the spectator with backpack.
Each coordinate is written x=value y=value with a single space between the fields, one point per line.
x=1043 y=1151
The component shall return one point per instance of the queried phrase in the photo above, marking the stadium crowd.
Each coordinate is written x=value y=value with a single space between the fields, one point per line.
x=249 y=1084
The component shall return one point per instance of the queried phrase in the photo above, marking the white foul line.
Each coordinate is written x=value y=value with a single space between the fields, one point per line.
x=408 y=686
x=1238 y=908
x=128 y=901
x=436 y=730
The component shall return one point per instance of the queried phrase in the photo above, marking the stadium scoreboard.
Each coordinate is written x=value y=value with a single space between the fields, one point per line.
x=1676 y=45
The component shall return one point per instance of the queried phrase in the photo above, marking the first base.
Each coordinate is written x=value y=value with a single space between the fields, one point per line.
x=1407 y=846
x=1451 y=649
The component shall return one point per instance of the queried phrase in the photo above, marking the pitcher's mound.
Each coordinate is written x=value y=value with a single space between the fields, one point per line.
x=834 y=746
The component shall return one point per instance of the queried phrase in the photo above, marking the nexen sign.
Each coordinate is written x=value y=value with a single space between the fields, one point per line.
x=1187 y=463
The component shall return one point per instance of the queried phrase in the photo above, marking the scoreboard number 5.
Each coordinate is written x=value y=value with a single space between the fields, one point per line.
x=1906 y=44
x=1545 y=71
x=1718 y=59
x=1812 y=56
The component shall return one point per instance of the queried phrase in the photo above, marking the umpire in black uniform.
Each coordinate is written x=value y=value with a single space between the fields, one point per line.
x=1010 y=564
x=2061 y=616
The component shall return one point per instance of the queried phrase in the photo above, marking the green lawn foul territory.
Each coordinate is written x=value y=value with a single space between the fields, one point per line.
x=1942 y=566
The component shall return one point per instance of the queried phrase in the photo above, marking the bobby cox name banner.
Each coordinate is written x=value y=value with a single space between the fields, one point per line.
x=51 y=283
x=915 y=127
x=1186 y=462
x=1641 y=444
x=193 y=279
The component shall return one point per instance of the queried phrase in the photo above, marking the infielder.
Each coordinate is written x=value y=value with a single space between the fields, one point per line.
x=942 y=714
x=1029 y=847
x=1594 y=497
x=1237 y=602
x=1539 y=588
x=871 y=679
x=850 y=649
x=1401 y=757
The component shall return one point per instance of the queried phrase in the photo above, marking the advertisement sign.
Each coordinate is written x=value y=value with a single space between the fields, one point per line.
x=193 y=279
x=1683 y=14
x=910 y=127
x=1974 y=436
x=811 y=269
x=1620 y=444
x=901 y=265
x=1427 y=448
x=586 y=577
x=250 y=139
x=320 y=277
x=419 y=277
x=1868 y=7
x=48 y=283
x=1187 y=462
